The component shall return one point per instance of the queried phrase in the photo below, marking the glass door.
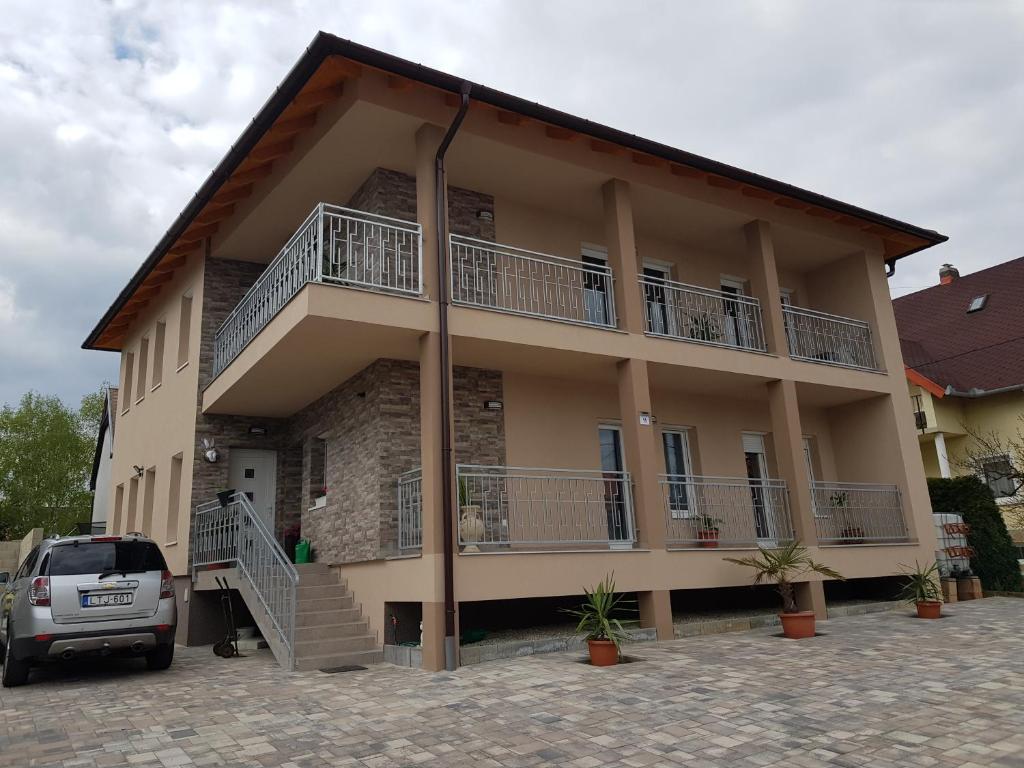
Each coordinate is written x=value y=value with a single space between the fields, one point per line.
x=659 y=316
x=757 y=473
x=616 y=499
x=680 y=472
x=596 y=306
x=734 y=314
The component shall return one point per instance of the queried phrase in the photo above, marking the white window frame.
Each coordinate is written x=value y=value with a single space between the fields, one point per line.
x=984 y=475
x=684 y=433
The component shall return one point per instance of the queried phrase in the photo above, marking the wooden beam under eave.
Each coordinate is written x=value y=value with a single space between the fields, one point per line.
x=247 y=174
x=292 y=126
x=199 y=232
x=821 y=213
x=396 y=83
x=722 y=183
x=510 y=118
x=145 y=293
x=648 y=161
x=314 y=99
x=606 y=147
x=184 y=247
x=788 y=202
x=271 y=150
x=157 y=278
x=558 y=133
x=338 y=69
x=170 y=264
x=757 y=193
x=232 y=195
x=215 y=213
x=451 y=100
x=685 y=171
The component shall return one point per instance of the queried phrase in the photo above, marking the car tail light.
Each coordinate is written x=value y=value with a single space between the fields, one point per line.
x=166 y=585
x=106 y=538
x=39 y=592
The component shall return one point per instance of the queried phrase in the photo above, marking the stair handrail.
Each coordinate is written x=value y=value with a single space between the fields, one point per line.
x=274 y=580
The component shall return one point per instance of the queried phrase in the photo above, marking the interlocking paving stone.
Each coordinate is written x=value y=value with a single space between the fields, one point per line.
x=876 y=690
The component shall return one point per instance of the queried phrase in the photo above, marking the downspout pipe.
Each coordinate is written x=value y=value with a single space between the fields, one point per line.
x=890 y=267
x=447 y=509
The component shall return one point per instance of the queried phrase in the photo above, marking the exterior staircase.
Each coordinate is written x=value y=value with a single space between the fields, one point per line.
x=330 y=630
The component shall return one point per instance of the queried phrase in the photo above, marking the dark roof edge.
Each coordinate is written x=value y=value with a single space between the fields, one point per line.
x=325 y=44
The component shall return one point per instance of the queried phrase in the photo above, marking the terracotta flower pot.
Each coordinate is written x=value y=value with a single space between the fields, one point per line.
x=929 y=609
x=707 y=539
x=603 y=653
x=799 y=625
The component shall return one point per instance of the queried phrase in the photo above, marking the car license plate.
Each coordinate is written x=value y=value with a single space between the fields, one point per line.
x=110 y=598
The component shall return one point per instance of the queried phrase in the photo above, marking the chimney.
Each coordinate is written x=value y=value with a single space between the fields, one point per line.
x=948 y=274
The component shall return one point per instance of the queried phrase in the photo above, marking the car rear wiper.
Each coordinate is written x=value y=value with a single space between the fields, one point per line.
x=122 y=571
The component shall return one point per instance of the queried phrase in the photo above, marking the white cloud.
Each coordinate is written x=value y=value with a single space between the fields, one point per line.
x=112 y=113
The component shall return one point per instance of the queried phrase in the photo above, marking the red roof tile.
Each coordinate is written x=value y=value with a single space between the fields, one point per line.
x=980 y=350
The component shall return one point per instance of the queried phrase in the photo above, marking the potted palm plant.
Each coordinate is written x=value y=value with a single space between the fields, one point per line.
x=922 y=590
x=707 y=531
x=783 y=566
x=598 y=624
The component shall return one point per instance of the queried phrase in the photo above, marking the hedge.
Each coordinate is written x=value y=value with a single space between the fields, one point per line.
x=995 y=557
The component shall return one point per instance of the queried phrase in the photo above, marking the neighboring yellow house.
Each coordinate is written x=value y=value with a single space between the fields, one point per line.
x=964 y=353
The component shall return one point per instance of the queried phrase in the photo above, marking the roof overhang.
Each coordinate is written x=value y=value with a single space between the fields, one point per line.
x=318 y=78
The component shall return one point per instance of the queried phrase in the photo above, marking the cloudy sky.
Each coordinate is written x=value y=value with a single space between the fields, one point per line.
x=112 y=114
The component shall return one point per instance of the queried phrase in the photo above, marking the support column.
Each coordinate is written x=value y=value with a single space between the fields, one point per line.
x=622 y=258
x=940 y=452
x=640 y=448
x=787 y=439
x=810 y=596
x=428 y=138
x=764 y=284
x=656 y=611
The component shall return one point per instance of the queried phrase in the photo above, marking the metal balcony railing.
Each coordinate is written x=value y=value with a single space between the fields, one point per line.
x=334 y=245
x=823 y=338
x=501 y=277
x=235 y=533
x=543 y=507
x=703 y=315
x=410 y=509
x=858 y=513
x=725 y=511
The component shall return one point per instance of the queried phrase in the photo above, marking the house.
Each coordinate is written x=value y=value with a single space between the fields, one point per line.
x=964 y=354
x=480 y=353
x=99 y=480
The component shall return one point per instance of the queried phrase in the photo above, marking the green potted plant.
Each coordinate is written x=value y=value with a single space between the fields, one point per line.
x=783 y=566
x=471 y=525
x=849 y=533
x=707 y=531
x=922 y=590
x=598 y=624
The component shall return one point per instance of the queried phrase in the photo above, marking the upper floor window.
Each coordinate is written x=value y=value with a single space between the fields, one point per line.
x=158 y=353
x=184 y=329
x=1000 y=476
x=920 y=417
x=977 y=303
x=126 y=381
x=140 y=390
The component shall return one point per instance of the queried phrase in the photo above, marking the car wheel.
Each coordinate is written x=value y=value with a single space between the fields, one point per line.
x=160 y=658
x=15 y=671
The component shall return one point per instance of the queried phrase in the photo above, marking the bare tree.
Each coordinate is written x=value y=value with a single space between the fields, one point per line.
x=993 y=456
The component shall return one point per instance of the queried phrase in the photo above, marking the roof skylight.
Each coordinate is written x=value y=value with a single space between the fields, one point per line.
x=977 y=303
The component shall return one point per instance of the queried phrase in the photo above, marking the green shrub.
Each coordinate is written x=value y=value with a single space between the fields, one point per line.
x=995 y=557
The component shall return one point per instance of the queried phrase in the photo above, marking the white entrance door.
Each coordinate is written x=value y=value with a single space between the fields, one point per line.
x=760 y=496
x=736 y=319
x=254 y=473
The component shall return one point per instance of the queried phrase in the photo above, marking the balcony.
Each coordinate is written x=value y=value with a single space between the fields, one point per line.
x=335 y=246
x=508 y=279
x=831 y=339
x=702 y=315
x=410 y=510
x=526 y=508
x=708 y=512
x=858 y=513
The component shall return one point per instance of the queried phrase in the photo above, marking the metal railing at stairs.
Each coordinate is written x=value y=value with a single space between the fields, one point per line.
x=233 y=532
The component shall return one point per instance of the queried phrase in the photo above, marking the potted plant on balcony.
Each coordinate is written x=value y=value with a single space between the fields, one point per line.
x=471 y=526
x=850 y=532
x=707 y=531
x=599 y=625
x=782 y=566
x=922 y=590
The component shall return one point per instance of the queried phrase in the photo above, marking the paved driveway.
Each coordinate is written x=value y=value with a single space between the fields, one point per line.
x=879 y=690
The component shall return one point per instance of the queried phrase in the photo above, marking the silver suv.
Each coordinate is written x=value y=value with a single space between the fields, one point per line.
x=81 y=595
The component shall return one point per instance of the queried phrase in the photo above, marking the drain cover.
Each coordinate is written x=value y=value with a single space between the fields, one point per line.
x=346 y=668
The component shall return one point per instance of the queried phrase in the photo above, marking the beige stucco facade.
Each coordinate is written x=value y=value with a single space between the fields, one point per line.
x=560 y=382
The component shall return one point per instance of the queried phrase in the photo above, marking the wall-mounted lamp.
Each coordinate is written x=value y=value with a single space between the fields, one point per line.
x=209 y=451
x=485 y=215
x=256 y=429
x=138 y=470
x=493 y=405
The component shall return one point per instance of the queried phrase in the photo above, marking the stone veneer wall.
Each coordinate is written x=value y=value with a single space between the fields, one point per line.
x=371 y=421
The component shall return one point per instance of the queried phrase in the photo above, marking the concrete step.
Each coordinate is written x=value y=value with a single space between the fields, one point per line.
x=304 y=568
x=319 y=578
x=306 y=591
x=327 y=661
x=322 y=618
x=339 y=645
x=337 y=603
x=332 y=631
